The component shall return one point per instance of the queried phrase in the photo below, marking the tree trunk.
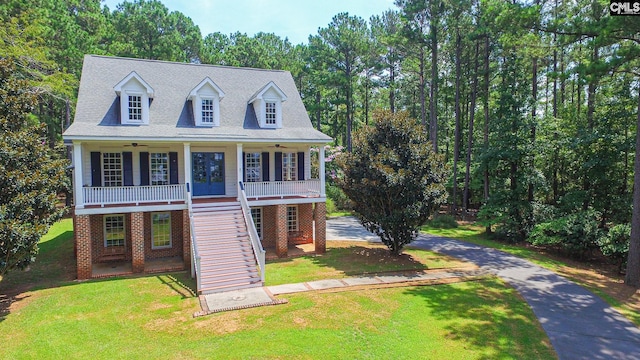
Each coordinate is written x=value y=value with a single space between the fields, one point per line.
x=423 y=106
x=433 y=100
x=472 y=113
x=486 y=122
x=632 y=277
x=534 y=104
x=456 y=135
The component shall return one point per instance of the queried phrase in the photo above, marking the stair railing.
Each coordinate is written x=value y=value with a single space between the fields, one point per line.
x=258 y=251
x=195 y=256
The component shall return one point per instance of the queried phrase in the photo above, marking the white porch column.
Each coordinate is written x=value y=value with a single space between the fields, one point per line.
x=187 y=170
x=239 y=167
x=321 y=171
x=78 y=195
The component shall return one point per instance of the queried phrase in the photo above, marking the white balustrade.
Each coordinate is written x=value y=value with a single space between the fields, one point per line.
x=133 y=194
x=281 y=189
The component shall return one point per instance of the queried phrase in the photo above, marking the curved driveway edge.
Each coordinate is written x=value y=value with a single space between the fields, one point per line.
x=579 y=324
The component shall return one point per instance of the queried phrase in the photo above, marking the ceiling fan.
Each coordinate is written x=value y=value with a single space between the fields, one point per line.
x=135 y=145
x=278 y=146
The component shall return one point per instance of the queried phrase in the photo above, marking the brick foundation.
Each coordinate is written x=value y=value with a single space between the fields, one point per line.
x=320 y=215
x=137 y=242
x=82 y=231
x=186 y=239
x=282 y=236
x=305 y=224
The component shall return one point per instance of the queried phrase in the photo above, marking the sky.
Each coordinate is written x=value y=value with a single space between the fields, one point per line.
x=292 y=19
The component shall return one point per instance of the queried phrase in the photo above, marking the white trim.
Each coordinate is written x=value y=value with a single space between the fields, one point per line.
x=197 y=96
x=78 y=194
x=153 y=246
x=133 y=75
x=321 y=170
x=296 y=226
x=129 y=209
x=199 y=138
x=291 y=201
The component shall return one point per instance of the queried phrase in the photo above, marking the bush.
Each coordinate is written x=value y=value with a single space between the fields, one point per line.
x=443 y=222
x=331 y=206
x=340 y=200
x=576 y=234
x=615 y=245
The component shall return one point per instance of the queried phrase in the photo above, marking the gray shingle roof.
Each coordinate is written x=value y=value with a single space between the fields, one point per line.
x=170 y=114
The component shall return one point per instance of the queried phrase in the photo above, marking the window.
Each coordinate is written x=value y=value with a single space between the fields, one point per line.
x=253 y=167
x=134 y=95
x=256 y=214
x=159 y=168
x=135 y=108
x=289 y=168
x=207 y=111
x=112 y=169
x=114 y=230
x=292 y=218
x=160 y=230
x=270 y=113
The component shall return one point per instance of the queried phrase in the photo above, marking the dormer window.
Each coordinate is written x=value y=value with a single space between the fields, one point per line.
x=135 y=95
x=205 y=99
x=270 y=113
x=267 y=103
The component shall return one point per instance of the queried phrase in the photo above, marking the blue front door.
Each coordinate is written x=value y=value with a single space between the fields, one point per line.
x=208 y=173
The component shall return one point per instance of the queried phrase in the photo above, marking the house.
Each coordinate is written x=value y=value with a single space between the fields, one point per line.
x=192 y=166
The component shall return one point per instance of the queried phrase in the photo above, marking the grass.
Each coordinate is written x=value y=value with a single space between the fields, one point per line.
x=344 y=259
x=595 y=277
x=151 y=317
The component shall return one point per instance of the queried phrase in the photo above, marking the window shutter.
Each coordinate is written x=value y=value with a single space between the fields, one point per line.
x=265 y=166
x=244 y=166
x=96 y=170
x=278 y=166
x=173 y=167
x=300 y=166
x=127 y=168
x=144 y=168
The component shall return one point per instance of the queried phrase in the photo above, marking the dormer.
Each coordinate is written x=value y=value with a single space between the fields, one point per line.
x=267 y=104
x=135 y=95
x=205 y=100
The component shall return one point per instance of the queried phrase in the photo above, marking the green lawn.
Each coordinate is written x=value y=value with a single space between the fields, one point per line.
x=151 y=317
x=349 y=259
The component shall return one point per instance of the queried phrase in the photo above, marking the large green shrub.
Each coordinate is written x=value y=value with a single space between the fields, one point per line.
x=615 y=245
x=575 y=234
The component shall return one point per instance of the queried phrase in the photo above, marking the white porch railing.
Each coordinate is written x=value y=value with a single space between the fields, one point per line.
x=133 y=194
x=281 y=189
x=258 y=250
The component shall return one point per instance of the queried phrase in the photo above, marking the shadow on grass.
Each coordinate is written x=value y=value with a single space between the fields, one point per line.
x=181 y=283
x=488 y=316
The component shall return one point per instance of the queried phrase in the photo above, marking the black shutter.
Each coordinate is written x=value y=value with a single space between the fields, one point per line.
x=127 y=168
x=265 y=166
x=278 y=166
x=300 y=166
x=173 y=168
x=96 y=170
x=244 y=167
x=144 y=168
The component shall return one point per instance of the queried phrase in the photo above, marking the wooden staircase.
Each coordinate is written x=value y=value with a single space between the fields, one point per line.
x=227 y=261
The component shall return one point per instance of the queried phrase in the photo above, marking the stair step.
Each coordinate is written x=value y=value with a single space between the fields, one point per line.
x=213 y=290
x=214 y=254
x=235 y=279
x=220 y=212
x=222 y=238
x=234 y=264
x=221 y=228
x=222 y=273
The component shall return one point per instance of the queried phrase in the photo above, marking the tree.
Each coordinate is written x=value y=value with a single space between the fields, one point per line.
x=31 y=174
x=394 y=178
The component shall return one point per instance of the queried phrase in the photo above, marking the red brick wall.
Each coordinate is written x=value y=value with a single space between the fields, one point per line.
x=82 y=231
x=281 y=230
x=137 y=241
x=320 y=215
x=186 y=238
x=176 y=237
x=305 y=222
x=269 y=226
x=97 y=237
